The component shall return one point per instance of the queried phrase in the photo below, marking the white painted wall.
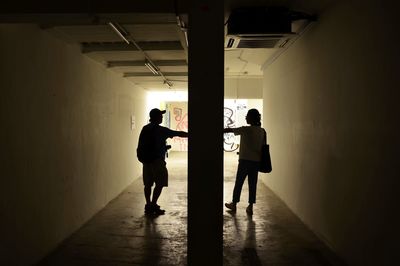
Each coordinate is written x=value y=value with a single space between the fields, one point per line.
x=331 y=109
x=243 y=88
x=67 y=145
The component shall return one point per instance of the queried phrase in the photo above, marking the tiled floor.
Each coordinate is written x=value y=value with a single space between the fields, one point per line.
x=121 y=235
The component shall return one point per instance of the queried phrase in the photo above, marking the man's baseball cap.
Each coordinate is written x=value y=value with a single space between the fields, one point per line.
x=156 y=112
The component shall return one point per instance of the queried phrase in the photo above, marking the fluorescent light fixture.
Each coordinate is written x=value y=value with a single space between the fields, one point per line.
x=169 y=83
x=151 y=67
x=119 y=31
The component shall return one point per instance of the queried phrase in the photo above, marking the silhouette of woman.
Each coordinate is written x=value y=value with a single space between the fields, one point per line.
x=251 y=141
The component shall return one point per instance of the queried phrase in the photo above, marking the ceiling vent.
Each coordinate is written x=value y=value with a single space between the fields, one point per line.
x=263 y=41
x=259 y=27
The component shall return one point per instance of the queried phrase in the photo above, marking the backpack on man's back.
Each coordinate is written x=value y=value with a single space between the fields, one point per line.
x=146 y=150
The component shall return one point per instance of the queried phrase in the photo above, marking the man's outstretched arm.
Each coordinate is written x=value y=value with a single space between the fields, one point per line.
x=181 y=134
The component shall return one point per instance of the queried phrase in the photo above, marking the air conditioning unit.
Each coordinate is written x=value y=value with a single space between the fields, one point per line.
x=259 y=27
x=257 y=41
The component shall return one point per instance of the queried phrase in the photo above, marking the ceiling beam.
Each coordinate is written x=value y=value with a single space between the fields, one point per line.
x=90 y=7
x=65 y=19
x=149 y=74
x=142 y=62
x=122 y=46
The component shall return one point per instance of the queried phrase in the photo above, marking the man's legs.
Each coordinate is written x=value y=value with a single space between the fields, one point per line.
x=148 y=180
x=151 y=205
x=148 y=208
x=156 y=194
x=147 y=194
x=161 y=180
x=156 y=172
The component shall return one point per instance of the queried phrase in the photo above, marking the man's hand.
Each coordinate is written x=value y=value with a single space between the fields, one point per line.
x=183 y=134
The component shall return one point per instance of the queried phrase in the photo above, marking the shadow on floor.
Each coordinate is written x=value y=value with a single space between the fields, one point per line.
x=121 y=234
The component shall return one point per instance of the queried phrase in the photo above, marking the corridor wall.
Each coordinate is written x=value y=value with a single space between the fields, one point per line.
x=67 y=143
x=243 y=88
x=331 y=110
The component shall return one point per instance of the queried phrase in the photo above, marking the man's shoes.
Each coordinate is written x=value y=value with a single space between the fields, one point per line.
x=231 y=206
x=157 y=210
x=151 y=208
x=148 y=209
x=249 y=209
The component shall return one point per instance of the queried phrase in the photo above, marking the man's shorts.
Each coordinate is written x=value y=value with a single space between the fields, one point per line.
x=155 y=172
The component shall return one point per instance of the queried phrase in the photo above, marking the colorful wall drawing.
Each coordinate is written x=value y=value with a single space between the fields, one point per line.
x=178 y=119
x=235 y=116
x=235 y=112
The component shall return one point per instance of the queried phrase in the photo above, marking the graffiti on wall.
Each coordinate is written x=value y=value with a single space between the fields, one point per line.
x=181 y=120
x=229 y=138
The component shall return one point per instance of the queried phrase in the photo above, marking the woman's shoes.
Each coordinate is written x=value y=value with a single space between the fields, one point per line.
x=231 y=206
x=249 y=209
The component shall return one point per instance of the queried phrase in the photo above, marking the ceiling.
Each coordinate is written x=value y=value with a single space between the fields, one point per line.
x=154 y=38
x=157 y=37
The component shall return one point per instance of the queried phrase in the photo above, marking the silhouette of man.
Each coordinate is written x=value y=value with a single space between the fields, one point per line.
x=151 y=152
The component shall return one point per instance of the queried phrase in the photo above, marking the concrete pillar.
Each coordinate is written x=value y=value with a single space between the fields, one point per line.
x=205 y=157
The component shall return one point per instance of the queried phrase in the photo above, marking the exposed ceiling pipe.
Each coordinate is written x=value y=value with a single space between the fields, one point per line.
x=119 y=31
x=126 y=36
x=183 y=28
x=183 y=33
